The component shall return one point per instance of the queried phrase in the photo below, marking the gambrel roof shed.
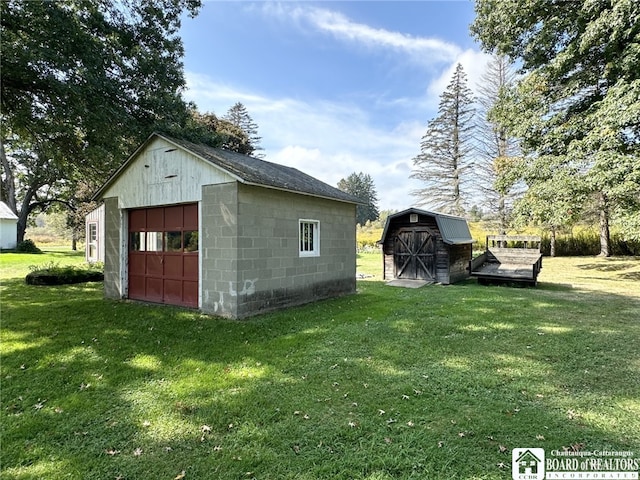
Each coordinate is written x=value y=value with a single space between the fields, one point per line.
x=191 y=225
x=427 y=246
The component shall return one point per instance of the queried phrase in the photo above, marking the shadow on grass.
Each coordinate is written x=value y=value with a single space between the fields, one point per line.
x=388 y=383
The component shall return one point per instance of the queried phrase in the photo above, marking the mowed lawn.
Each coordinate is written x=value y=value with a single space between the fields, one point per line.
x=440 y=382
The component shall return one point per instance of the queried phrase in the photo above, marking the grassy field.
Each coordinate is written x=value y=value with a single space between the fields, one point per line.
x=439 y=382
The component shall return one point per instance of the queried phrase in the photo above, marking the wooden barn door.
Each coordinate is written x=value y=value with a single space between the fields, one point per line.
x=414 y=254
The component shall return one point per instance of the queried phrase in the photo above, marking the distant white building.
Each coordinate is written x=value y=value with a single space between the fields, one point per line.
x=94 y=221
x=8 y=227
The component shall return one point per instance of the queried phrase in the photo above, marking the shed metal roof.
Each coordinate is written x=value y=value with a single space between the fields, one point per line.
x=454 y=230
x=248 y=170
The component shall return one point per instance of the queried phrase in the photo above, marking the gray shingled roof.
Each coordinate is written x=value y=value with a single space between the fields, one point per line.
x=248 y=170
x=454 y=230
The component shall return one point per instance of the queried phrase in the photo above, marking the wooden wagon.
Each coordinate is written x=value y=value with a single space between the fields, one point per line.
x=508 y=258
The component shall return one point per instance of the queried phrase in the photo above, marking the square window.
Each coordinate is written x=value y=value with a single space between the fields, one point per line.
x=309 y=238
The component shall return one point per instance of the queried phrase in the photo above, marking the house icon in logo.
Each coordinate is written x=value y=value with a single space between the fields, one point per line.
x=527 y=463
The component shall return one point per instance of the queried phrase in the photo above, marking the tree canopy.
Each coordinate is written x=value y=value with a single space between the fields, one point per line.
x=83 y=82
x=577 y=107
x=361 y=185
x=239 y=117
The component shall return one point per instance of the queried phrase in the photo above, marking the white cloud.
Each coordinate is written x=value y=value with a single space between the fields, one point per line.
x=330 y=140
x=423 y=50
x=474 y=63
x=324 y=139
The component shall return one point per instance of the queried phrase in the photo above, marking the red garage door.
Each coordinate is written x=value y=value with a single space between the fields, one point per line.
x=163 y=255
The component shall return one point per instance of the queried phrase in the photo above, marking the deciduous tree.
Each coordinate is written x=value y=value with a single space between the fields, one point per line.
x=361 y=186
x=83 y=82
x=581 y=59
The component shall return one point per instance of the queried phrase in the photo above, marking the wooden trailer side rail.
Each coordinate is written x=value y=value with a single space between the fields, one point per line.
x=510 y=258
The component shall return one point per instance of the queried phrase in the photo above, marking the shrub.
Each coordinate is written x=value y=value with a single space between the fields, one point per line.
x=27 y=246
x=587 y=243
x=53 y=274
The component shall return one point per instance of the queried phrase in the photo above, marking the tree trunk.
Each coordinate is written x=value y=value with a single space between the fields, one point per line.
x=553 y=242
x=502 y=215
x=605 y=237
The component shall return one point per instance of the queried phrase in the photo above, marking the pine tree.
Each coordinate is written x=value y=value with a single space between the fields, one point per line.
x=361 y=185
x=496 y=147
x=239 y=116
x=444 y=157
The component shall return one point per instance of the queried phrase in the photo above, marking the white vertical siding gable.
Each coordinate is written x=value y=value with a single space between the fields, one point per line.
x=164 y=174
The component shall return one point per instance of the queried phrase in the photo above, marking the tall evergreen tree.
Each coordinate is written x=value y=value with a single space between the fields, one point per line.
x=361 y=185
x=497 y=149
x=239 y=116
x=444 y=158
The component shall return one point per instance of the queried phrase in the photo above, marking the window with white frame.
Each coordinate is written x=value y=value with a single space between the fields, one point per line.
x=309 y=233
x=92 y=241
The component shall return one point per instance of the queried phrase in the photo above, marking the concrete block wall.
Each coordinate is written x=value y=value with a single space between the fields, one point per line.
x=219 y=245
x=271 y=273
x=113 y=287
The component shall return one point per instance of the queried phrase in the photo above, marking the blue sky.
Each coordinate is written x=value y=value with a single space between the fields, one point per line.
x=334 y=87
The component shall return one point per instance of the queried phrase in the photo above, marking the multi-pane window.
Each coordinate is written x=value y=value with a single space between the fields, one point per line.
x=173 y=241
x=93 y=241
x=309 y=238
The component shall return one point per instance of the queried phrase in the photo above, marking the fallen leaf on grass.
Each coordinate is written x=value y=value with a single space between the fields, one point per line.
x=112 y=452
x=137 y=452
x=502 y=448
x=539 y=437
x=180 y=476
x=576 y=447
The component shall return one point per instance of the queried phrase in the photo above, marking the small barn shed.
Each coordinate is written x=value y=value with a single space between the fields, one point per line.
x=94 y=234
x=186 y=224
x=422 y=245
x=8 y=227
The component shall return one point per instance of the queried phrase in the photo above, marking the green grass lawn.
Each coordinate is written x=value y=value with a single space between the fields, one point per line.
x=439 y=382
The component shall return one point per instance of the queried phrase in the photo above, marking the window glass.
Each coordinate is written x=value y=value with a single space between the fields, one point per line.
x=154 y=241
x=309 y=238
x=191 y=241
x=93 y=232
x=173 y=241
x=137 y=242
